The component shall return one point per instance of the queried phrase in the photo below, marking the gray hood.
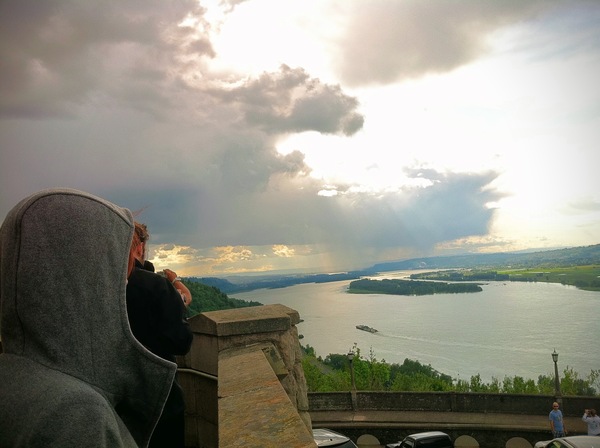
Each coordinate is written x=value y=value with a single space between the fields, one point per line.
x=63 y=269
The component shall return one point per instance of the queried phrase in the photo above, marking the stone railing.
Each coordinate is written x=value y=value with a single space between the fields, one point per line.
x=470 y=402
x=243 y=380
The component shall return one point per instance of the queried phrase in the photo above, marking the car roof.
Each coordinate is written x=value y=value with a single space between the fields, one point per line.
x=327 y=437
x=582 y=441
x=573 y=441
x=425 y=435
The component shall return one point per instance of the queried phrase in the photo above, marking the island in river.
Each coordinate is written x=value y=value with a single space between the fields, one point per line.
x=409 y=287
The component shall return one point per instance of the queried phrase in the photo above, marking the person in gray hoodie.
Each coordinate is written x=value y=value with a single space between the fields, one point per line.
x=71 y=372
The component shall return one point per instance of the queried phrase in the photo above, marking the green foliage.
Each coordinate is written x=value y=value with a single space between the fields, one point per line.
x=336 y=361
x=583 y=277
x=571 y=384
x=409 y=287
x=333 y=374
x=414 y=376
x=210 y=298
x=461 y=275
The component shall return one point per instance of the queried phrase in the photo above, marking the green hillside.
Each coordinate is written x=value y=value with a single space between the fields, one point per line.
x=211 y=298
x=583 y=277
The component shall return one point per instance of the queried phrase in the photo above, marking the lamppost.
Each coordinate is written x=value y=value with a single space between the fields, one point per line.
x=351 y=359
x=353 y=391
x=556 y=379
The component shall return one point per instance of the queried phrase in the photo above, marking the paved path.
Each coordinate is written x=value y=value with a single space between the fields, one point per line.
x=441 y=420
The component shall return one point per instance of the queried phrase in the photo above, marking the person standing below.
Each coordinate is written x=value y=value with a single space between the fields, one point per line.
x=157 y=318
x=72 y=375
x=593 y=422
x=557 y=424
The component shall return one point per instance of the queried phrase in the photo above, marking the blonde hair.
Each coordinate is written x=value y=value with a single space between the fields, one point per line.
x=140 y=236
x=141 y=232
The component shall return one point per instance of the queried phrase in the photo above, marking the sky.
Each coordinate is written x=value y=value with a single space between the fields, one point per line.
x=269 y=136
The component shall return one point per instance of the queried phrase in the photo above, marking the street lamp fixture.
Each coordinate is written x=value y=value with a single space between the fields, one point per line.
x=351 y=359
x=556 y=379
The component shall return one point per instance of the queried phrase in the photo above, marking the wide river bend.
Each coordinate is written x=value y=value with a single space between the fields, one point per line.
x=508 y=329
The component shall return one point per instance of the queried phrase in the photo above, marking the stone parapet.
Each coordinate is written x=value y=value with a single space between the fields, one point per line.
x=254 y=409
x=458 y=402
x=258 y=394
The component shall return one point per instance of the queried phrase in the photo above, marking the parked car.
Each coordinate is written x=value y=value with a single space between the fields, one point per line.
x=430 y=439
x=329 y=438
x=570 y=442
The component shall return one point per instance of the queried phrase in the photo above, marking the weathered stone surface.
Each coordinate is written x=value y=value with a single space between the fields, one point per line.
x=262 y=393
x=254 y=410
x=239 y=321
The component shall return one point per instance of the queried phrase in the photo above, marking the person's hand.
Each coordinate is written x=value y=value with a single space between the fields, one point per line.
x=171 y=276
x=184 y=297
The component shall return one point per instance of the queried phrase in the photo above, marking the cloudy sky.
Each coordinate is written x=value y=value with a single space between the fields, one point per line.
x=318 y=135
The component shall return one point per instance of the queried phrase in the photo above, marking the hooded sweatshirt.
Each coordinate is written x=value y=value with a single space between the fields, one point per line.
x=72 y=374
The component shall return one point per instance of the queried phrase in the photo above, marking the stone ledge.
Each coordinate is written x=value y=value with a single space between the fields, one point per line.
x=254 y=409
x=242 y=321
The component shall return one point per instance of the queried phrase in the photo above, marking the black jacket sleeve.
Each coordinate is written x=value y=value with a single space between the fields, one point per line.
x=157 y=315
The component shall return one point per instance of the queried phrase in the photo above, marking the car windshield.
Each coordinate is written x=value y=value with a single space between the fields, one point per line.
x=328 y=438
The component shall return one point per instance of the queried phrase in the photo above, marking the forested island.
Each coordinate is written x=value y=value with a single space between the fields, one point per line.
x=409 y=287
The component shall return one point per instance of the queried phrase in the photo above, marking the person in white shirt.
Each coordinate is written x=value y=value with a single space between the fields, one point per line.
x=593 y=422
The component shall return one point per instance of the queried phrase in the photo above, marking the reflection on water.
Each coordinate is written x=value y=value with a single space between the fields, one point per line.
x=508 y=329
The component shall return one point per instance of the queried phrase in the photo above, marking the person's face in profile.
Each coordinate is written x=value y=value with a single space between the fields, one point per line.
x=140 y=251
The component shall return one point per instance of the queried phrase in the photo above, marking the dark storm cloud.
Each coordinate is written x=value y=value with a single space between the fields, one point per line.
x=291 y=101
x=453 y=206
x=387 y=41
x=57 y=55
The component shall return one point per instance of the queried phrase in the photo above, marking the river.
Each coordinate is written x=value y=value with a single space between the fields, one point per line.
x=508 y=329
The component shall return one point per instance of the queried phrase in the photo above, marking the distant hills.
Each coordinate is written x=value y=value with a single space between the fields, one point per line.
x=576 y=256
x=243 y=284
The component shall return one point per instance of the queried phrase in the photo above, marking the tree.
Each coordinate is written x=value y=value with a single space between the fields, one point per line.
x=333 y=374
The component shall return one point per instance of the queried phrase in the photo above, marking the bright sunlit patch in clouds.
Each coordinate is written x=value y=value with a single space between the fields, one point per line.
x=503 y=113
x=225 y=260
x=170 y=256
x=281 y=250
x=261 y=35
